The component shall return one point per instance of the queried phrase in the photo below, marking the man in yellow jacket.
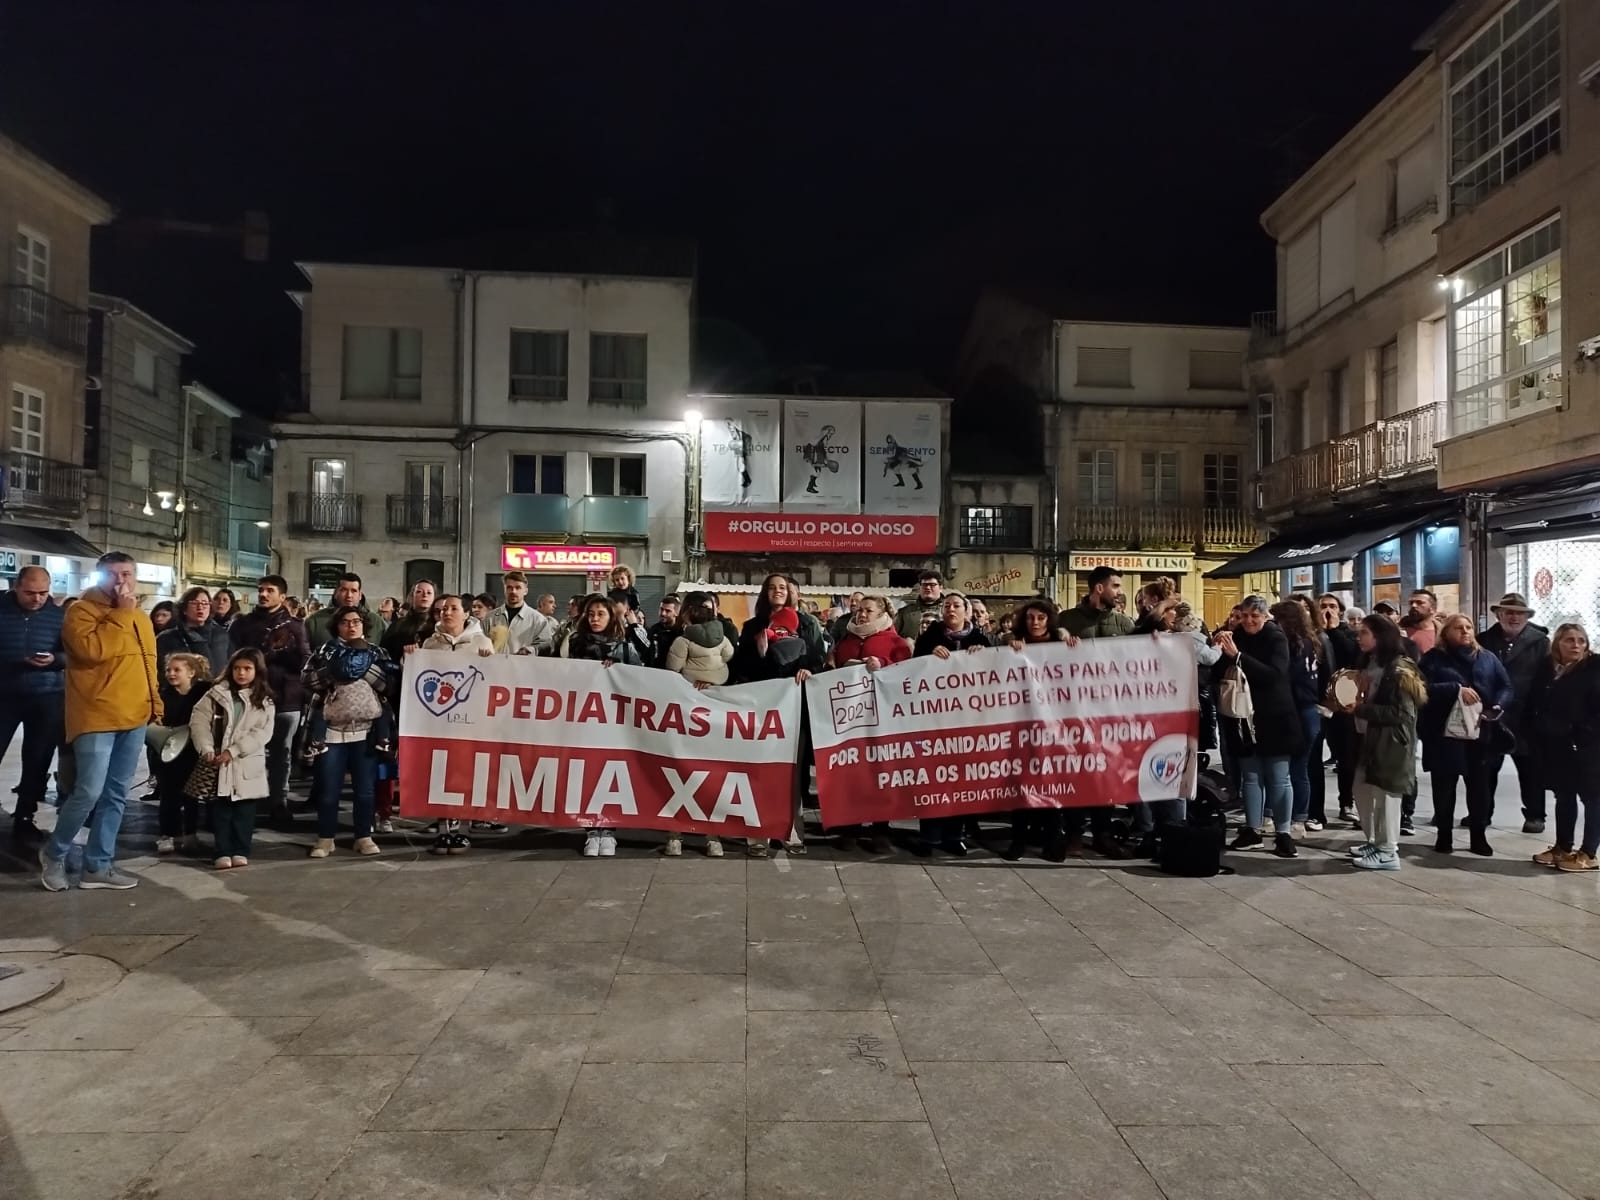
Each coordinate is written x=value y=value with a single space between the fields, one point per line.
x=111 y=697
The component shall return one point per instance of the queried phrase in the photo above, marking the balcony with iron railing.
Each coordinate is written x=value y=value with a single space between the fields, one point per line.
x=1132 y=527
x=1389 y=449
x=414 y=515
x=324 y=514
x=1266 y=335
x=34 y=316
x=31 y=483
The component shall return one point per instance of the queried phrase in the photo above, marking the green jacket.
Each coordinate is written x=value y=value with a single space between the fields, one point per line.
x=319 y=626
x=1389 y=745
x=1086 y=621
x=908 y=621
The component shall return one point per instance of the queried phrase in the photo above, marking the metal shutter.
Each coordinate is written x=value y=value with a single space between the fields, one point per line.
x=1105 y=366
x=650 y=588
x=1414 y=183
x=1300 y=278
x=1337 y=249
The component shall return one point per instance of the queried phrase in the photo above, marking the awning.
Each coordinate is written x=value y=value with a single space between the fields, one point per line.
x=40 y=539
x=1309 y=548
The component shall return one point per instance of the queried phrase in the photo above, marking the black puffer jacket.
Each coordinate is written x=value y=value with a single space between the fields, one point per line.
x=1276 y=731
x=1523 y=660
x=1561 y=722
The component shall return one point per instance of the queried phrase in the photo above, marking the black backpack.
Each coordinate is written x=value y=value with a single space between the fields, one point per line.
x=1195 y=847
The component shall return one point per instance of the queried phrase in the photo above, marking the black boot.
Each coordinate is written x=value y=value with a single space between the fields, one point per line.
x=1015 y=851
x=1480 y=842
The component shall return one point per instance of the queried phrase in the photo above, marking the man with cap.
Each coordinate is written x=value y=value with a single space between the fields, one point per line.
x=1521 y=645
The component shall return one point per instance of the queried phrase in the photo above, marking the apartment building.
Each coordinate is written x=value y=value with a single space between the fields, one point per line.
x=44 y=326
x=1349 y=372
x=1519 y=265
x=1148 y=435
x=475 y=407
x=161 y=454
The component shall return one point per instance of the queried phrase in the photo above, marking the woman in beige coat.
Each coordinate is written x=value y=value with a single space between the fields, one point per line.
x=699 y=653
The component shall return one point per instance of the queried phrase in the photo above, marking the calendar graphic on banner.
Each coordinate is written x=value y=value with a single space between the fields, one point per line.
x=854 y=705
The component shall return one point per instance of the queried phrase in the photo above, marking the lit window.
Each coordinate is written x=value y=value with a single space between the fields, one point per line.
x=1505 y=333
x=1504 y=99
x=997 y=527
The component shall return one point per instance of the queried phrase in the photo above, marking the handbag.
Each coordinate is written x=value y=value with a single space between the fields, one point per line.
x=202 y=781
x=1464 y=722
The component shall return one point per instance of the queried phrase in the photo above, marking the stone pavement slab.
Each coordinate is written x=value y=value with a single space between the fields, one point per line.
x=522 y=1022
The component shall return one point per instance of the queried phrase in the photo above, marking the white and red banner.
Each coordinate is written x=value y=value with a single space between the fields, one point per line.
x=1108 y=721
x=558 y=742
x=767 y=532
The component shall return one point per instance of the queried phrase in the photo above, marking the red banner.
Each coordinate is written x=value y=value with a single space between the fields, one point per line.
x=905 y=534
x=1109 y=721
x=555 y=742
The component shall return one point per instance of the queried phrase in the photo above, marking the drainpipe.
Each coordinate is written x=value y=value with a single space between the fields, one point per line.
x=463 y=388
x=1055 y=462
x=181 y=520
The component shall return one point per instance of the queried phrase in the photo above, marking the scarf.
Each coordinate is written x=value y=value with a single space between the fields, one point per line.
x=953 y=638
x=876 y=625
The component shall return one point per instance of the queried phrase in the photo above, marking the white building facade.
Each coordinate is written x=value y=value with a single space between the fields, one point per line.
x=458 y=423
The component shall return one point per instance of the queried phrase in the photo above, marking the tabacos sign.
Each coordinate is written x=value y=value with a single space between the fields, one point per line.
x=558 y=558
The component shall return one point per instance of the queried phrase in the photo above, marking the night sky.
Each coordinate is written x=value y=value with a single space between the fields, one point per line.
x=852 y=173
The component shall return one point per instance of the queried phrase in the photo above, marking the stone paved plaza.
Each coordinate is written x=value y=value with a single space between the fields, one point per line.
x=523 y=1022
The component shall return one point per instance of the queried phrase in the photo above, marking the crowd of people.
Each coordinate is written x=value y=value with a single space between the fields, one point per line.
x=219 y=703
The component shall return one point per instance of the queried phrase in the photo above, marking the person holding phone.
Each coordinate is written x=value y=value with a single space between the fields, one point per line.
x=111 y=695
x=32 y=666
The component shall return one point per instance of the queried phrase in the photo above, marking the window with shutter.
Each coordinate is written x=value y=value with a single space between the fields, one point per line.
x=1105 y=366
x=1216 y=370
x=1413 y=181
x=1336 y=250
x=1300 y=278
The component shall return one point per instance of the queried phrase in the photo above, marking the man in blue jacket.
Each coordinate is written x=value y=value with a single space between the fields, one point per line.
x=32 y=687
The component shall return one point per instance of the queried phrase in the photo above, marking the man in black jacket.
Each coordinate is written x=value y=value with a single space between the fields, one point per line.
x=281 y=637
x=664 y=631
x=32 y=687
x=1521 y=645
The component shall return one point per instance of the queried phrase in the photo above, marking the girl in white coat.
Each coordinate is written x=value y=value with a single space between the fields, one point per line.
x=230 y=729
x=699 y=653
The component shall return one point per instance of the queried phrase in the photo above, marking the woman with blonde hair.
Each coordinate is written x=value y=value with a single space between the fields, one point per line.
x=1563 y=719
x=1457 y=670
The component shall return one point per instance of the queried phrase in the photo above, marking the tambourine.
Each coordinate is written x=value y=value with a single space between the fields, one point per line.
x=1344 y=690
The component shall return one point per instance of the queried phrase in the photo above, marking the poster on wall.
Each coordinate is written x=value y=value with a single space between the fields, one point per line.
x=739 y=454
x=822 y=456
x=902 y=458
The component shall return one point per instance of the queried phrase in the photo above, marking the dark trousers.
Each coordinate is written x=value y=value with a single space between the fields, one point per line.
x=233 y=824
x=1476 y=779
x=1098 y=818
x=1044 y=823
x=941 y=831
x=1346 y=746
x=41 y=719
x=1567 y=818
x=1530 y=783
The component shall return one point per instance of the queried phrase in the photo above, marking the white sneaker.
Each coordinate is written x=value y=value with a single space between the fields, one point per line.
x=608 y=844
x=166 y=845
x=674 y=846
x=591 y=844
x=384 y=825
x=713 y=847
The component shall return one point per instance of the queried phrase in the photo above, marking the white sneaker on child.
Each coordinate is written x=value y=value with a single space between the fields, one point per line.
x=166 y=845
x=713 y=847
x=608 y=844
x=591 y=844
x=674 y=847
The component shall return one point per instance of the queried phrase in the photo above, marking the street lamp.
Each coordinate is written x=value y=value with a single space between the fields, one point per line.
x=692 y=418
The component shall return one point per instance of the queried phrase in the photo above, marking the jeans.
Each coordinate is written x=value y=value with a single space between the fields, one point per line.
x=1301 y=765
x=41 y=718
x=105 y=766
x=341 y=757
x=1150 y=815
x=1529 y=779
x=1380 y=815
x=1266 y=782
x=278 y=758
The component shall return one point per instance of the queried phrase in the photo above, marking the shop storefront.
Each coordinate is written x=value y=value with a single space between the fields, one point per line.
x=1196 y=577
x=565 y=571
x=1549 y=549
x=67 y=556
x=1364 y=562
